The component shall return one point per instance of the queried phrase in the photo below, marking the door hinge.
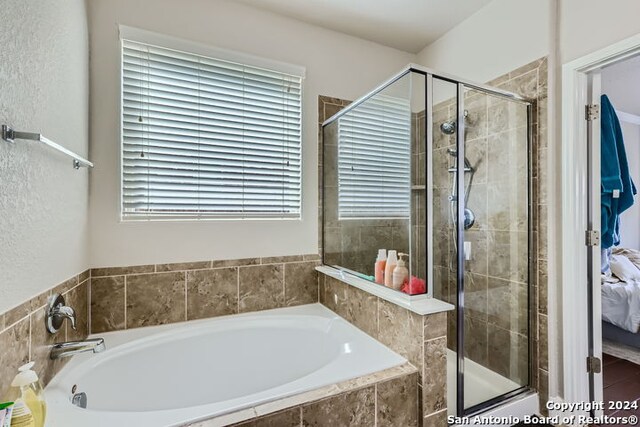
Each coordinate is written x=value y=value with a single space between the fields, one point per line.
x=592 y=238
x=594 y=365
x=592 y=112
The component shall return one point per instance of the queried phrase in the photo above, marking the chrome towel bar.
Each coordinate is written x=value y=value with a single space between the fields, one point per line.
x=10 y=135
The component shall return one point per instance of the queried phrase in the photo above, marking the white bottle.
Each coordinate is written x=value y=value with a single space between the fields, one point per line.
x=381 y=263
x=400 y=273
x=392 y=260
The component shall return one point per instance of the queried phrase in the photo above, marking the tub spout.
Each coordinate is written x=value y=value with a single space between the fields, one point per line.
x=66 y=349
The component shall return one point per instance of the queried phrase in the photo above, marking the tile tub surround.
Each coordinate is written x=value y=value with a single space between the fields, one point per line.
x=23 y=336
x=420 y=339
x=147 y=295
x=383 y=399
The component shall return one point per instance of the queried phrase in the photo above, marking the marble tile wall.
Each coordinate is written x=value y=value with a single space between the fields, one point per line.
x=383 y=399
x=148 y=295
x=420 y=339
x=418 y=195
x=327 y=107
x=23 y=336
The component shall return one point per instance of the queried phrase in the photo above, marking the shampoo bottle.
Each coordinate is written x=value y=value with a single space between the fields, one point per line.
x=400 y=273
x=30 y=409
x=392 y=260
x=381 y=263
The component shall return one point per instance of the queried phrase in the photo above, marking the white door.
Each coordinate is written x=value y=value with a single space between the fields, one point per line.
x=592 y=116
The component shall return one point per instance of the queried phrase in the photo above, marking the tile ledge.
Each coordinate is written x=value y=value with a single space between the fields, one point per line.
x=419 y=304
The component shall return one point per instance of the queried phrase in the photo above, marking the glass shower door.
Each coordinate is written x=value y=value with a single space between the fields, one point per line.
x=495 y=241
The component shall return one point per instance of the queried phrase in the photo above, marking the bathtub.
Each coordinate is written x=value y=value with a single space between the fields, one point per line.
x=172 y=375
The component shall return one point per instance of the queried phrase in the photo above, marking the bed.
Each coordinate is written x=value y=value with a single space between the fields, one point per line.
x=621 y=297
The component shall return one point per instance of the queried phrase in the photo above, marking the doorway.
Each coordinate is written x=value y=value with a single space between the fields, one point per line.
x=619 y=282
x=599 y=114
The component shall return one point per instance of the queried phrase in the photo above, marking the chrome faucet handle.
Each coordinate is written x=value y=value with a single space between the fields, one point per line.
x=66 y=312
x=57 y=312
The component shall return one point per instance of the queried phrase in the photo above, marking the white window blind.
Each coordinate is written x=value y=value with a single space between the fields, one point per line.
x=203 y=137
x=374 y=161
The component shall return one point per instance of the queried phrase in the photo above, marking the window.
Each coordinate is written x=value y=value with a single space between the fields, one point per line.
x=207 y=138
x=374 y=159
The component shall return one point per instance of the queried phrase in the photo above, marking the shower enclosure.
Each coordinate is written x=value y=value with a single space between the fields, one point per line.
x=439 y=169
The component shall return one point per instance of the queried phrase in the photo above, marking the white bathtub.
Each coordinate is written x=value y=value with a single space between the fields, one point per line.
x=175 y=374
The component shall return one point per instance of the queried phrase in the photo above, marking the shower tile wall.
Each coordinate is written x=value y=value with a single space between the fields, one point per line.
x=496 y=316
x=418 y=195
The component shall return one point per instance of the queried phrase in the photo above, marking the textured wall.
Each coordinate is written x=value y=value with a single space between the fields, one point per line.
x=43 y=200
x=336 y=64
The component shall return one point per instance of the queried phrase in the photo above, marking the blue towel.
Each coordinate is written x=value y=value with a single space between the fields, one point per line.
x=615 y=177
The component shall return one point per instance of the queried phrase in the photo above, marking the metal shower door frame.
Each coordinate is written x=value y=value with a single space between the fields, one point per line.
x=461 y=87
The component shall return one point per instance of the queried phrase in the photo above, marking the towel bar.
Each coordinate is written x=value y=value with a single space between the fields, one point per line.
x=10 y=135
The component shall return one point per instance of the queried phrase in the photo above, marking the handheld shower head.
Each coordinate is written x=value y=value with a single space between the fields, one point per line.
x=467 y=164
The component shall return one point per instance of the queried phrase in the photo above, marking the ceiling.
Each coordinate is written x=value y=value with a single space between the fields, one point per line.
x=408 y=25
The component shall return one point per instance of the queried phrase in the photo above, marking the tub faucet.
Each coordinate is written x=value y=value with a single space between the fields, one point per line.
x=57 y=313
x=66 y=349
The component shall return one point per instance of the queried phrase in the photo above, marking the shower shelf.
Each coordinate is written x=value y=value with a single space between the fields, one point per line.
x=419 y=304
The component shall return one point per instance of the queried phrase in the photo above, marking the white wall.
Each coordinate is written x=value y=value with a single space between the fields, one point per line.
x=621 y=82
x=498 y=38
x=43 y=200
x=589 y=25
x=630 y=219
x=337 y=65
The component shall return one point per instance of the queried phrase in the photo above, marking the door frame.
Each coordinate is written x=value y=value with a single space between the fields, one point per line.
x=574 y=179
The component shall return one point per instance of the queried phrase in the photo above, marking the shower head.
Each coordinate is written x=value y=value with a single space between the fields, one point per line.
x=449 y=127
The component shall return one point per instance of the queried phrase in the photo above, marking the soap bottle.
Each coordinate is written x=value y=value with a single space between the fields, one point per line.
x=392 y=260
x=30 y=409
x=400 y=273
x=381 y=263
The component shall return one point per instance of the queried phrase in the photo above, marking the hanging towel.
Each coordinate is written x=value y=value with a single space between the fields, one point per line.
x=617 y=188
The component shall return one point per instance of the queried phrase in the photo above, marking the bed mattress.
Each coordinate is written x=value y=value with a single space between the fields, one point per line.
x=621 y=305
